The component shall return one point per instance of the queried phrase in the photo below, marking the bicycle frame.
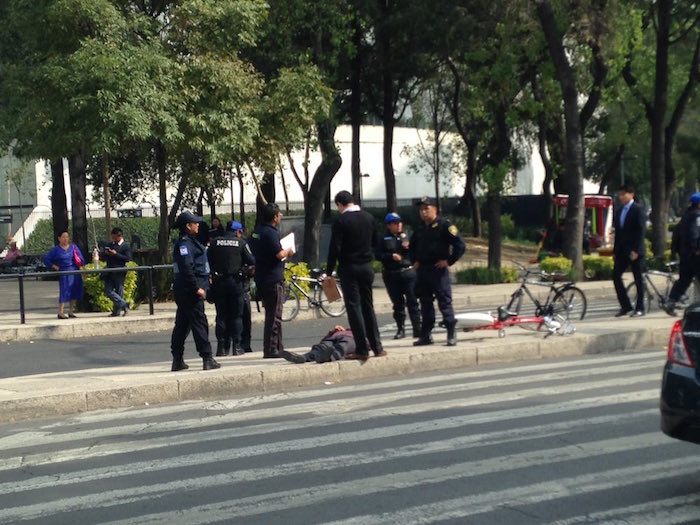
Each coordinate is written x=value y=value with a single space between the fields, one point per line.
x=313 y=299
x=524 y=290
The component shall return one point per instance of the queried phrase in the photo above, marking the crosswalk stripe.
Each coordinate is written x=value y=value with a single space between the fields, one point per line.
x=668 y=511
x=510 y=435
x=249 y=506
x=599 y=362
x=335 y=407
x=369 y=401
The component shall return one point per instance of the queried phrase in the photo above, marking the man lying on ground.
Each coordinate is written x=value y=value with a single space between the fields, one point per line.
x=333 y=347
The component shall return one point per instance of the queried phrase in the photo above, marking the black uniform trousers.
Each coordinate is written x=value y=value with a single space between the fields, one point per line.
x=246 y=334
x=689 y=268
x=434 y=283
x=356 y=283
x=400 y=285
x=272 y=296
x=622 y=262
x=190 y=316
x=228 y=299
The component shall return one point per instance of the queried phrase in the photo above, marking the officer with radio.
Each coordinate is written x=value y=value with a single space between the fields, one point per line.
x=190 y=285
x=399 y=275
x=228 y=255
x=436 y=245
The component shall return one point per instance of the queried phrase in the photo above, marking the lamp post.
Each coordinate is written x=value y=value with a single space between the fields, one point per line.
x=362 y=176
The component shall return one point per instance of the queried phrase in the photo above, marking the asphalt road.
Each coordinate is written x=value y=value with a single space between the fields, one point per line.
x=573 y=441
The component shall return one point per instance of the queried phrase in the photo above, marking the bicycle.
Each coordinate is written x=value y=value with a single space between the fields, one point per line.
x=564 y=301
x=293 y=291
x=669 y=279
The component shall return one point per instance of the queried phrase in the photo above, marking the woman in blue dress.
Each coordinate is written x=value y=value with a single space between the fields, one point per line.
x=63 y=257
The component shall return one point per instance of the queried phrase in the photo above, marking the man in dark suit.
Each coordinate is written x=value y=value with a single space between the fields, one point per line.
x=117 y=253
x=629 y=251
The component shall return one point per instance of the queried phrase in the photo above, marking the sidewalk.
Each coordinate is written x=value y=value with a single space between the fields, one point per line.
x=43 y=324
x=107 y=388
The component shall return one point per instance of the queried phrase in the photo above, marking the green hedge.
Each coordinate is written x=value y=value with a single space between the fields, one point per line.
x=597 y=268
x=483 y=275
x=95 y=290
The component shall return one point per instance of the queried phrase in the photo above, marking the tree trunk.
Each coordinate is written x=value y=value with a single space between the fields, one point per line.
x=59 y=205
x=659 y=213
x=241 y=186
x=470 y=188
x=78 y=181
x=356 y=109
x=573 y=231
x=107 y=194
x=318 y=191
x=164 y=227
x=388 y=163
x=493 y=212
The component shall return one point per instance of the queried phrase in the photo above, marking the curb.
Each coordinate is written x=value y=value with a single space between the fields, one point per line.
x=166 y=387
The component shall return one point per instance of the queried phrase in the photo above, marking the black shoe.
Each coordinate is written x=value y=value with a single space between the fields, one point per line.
x=622 y=312
x=178 y=364
x=637 y=313
x=209 y=363
x=125 y=310
x=247 y=349
x=293 y=357
x=669 y=307
x=400 y=333
x=423 y=341
x=237 y=350
x=451 y=336
x=272 y=356
x=114 y=314
x=221 y=350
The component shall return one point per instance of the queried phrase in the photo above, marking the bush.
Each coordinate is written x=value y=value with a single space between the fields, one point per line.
x=95 y=290
x=597 y=268
x=300 y=269
x=556 y=264
x=377 y=266
x=483 y=275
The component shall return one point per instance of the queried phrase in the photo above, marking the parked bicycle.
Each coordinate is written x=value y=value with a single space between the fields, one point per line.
x=564 y=300
x=315 y=297
x=661 y=293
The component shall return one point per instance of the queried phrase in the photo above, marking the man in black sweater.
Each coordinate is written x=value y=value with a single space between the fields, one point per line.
x=353 y=242
x=117 y=253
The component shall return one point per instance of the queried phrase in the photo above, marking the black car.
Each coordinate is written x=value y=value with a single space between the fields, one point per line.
x=680 y=388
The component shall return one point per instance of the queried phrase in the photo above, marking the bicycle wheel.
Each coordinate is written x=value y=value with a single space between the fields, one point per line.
x=335 y=308
x=632 y=294
x=290 y=307
x=570 y=304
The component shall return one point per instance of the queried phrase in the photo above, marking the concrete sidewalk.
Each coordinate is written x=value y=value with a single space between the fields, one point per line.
x=107 y=388
x=41 y=324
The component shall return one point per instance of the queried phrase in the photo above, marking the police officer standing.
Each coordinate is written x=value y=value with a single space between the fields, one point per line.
x=227 y=256
x=436 y=244
x=248 y=272
x=399 y=275
x=688 y=251
x=191 y=281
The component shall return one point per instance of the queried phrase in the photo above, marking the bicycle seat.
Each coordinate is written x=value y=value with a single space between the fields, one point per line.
x=316 y=272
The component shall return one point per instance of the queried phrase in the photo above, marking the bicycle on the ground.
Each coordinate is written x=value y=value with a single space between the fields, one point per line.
x=296 y=286
x=564 y=301
x=661 y=293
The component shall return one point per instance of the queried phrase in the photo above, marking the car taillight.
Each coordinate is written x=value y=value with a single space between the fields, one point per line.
x=677 y=350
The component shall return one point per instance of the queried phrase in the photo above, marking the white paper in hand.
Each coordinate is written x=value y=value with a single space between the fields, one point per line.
x=288 y=242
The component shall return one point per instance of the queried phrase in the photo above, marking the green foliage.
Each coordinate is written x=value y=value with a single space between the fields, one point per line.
x=556 y=264
x=484 y=275
x=377 y=266
x=300 y=269
x=598 y=268
x=95 y=289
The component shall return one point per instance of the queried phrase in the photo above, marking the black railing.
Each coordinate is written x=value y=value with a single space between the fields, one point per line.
x=21 y=276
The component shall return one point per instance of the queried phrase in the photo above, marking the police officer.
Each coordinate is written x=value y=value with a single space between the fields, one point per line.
x=191 y=281
x=227 y=256
x=688 y=251
x=399 y=275
x=248 y=272
x=436 y=244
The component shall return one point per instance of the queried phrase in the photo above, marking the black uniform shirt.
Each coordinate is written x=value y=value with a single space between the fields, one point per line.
x=436 y=241
x=391 y=244
x=228 y=253
x=190 y=265
x=265 y=243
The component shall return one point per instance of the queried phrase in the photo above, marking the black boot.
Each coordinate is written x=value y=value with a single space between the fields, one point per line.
x=451 y=335
x=209 y=363
x=424 y=340
x=179 y=364
x=400 y=330
x=221 y=349
x=237 y=350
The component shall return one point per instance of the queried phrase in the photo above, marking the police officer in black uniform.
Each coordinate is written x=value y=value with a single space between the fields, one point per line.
x=689 y=252
x=191 y=281
x=436 y=244
x=399 y=275
x=227 y=256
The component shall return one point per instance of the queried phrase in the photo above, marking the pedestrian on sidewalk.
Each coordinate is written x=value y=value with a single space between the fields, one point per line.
x=688 y=251
x=190 y=285
x=334 y=346
x=117 y=253
x=436 y=245
x=63 y=257
x=227 y=256
x=353 y=243
x=399 y=275
x=269 y=276
x=629 y=250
